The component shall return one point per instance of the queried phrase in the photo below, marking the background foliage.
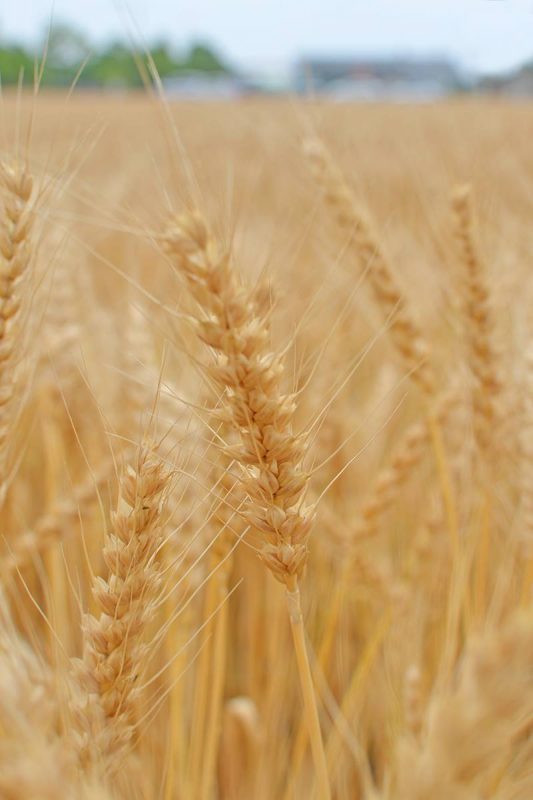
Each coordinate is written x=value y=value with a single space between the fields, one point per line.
x=114 y=64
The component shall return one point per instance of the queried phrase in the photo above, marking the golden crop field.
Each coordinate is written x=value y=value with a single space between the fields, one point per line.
x=266 y=398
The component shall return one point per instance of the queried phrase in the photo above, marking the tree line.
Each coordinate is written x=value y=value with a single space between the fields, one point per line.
x=65 y=51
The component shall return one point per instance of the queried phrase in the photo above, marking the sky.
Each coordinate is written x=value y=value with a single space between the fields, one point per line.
x=485 y=35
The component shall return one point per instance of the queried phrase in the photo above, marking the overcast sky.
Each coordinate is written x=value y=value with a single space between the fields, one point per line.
x=483 y=34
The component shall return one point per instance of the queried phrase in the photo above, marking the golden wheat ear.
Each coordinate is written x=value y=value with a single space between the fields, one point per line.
x=114 y=640
x=34 y=758
x=269 y=454
x=478 y=321
x=474 y=731
x=406 y=334
x=247 y=376
x=239 y=748
x=18 y=244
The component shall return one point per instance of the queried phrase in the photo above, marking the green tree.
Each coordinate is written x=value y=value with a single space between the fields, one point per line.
x=15 y=62
x=164 y=61
x=114 y=66
x=201 y=57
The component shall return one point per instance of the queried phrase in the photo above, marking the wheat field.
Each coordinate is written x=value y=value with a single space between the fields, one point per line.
x=266 y=376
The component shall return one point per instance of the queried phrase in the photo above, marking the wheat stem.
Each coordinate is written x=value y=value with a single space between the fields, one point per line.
x=323 y=656
x=213 y=729
x=308 y=689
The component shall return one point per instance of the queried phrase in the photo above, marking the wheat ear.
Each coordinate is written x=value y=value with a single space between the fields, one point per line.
x=479 y=328
x=247 y=374
x=16 y=243
x=240 y=747
x=526 y=482
x=487 y=385
x=475 y=727
x=113 y=641
x=406 y=456
x=406 y=334
x=34 y=761
x=56 y=524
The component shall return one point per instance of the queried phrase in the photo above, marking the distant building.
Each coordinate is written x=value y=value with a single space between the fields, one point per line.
x=210 y=86
x=204 y=86
x=375 y=79
x=514 y=84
